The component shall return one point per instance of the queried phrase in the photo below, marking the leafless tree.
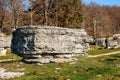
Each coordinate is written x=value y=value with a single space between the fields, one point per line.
x=16 y=9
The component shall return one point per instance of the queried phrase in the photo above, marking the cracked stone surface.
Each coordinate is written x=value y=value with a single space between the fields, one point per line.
x=8 y=75
x=47 y=44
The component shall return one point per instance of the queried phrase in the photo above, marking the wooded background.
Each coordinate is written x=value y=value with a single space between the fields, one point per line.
x=98 y=21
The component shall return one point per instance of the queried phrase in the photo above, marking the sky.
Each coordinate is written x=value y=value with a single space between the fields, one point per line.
x=103 y=2
x=26 y=4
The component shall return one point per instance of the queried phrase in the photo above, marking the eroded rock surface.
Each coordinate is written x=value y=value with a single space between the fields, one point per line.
x=8 y=75
x=5 y=43
x=41 y=41
x=109 y=42
x=5 y=40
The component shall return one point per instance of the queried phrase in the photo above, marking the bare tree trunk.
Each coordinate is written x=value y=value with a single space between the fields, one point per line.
x=2 y=13
x=14 y=19
x=94 y=29
x=31 y=15
x=46 y=13
x=56 y=22
x=31 y=12
x=16 y=8
x=2 y=21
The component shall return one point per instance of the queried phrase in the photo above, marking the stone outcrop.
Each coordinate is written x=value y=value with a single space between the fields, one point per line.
x=43 y=44
x=3 y=52
x=7 y=75
x=5 y=40
x=109 y=42
x=100 y=42
x=5 y=43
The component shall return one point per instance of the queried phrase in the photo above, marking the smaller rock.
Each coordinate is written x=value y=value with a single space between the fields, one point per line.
x=18 y=65
x=21 y=69
x=118 y=65
x=99 y=75
x=57 y=68
x=39 y=64
x=21 y=63
x=72 y=63
x=3 y=52
x=2 y=70
x=8 y=75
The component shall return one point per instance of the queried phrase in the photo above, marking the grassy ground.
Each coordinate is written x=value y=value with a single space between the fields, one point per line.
x=102 y=68
x=10 y=57
x=99 y=50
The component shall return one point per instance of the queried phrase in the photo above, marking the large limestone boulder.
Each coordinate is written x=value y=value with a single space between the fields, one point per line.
x=42 y=41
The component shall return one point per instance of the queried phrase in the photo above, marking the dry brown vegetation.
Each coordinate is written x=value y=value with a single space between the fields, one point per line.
x=99 y=21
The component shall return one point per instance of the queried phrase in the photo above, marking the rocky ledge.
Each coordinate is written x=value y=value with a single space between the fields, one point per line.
x=48 y=43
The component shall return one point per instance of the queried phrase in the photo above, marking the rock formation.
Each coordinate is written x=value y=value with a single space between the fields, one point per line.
x=45 y=44
x=7 y=75
x=112 y=42
x=5 y=40
x=5 y=43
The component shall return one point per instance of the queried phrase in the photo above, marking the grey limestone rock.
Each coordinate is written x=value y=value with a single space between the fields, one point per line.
x=5 y=40
x=112 y=42
x=49 y=40
x=8 y=75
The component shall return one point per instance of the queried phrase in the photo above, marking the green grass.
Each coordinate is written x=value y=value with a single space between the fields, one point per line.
x=102 y=68
x=11 y=56
x=98 y=50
